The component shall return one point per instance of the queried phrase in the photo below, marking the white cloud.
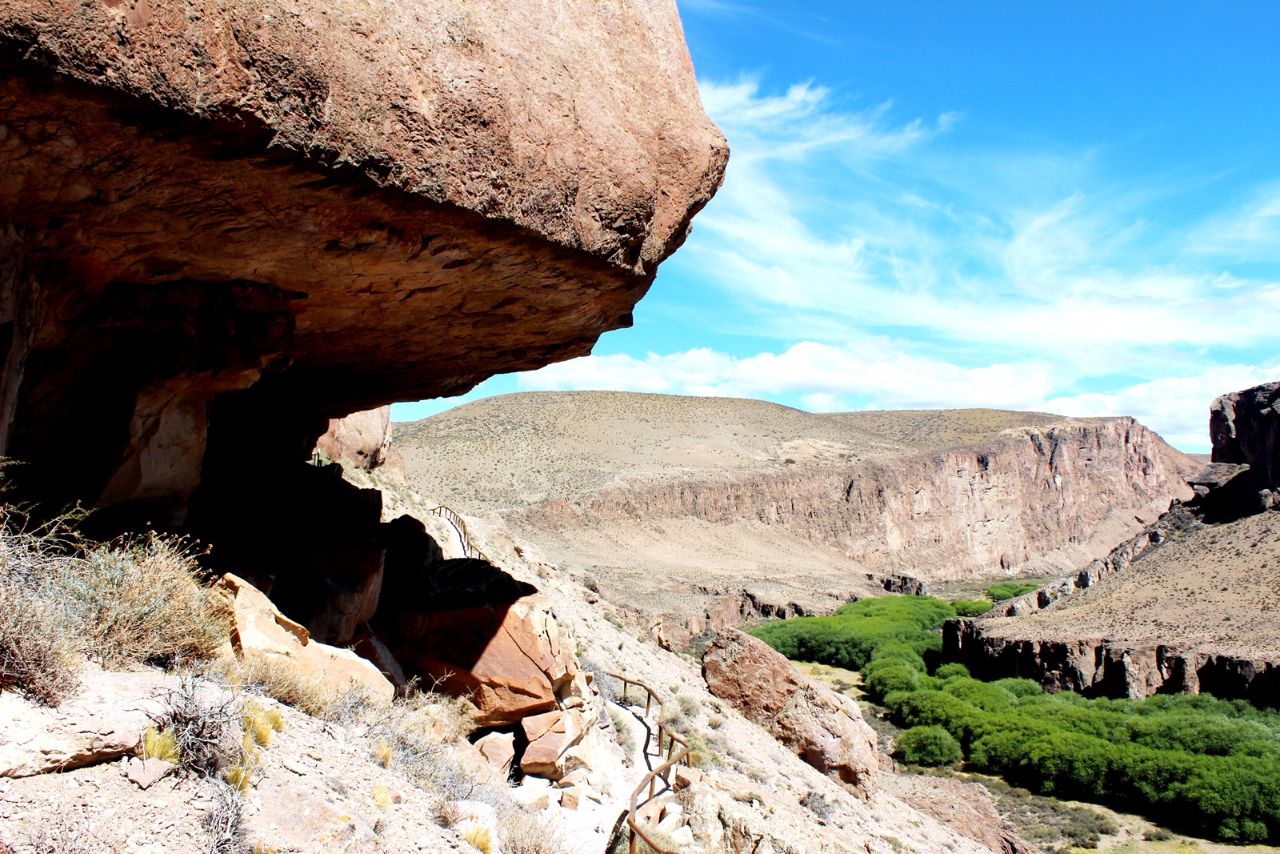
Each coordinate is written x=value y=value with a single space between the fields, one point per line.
x=822 y=373
x=1176 y=407
x=834 y=225
x=824 y=377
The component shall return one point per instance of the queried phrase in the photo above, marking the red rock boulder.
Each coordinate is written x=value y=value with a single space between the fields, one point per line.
x=824 y=728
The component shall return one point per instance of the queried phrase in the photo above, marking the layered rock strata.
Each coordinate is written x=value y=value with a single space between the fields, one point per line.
x=1186 y=605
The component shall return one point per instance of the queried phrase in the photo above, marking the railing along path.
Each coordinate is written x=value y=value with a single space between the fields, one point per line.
x=451 y=516
x=650 y=781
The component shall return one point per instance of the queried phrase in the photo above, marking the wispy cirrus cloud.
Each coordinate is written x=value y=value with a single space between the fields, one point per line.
x=895 y=268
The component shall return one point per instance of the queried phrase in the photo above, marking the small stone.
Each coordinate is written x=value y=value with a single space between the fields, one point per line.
x=145 y=773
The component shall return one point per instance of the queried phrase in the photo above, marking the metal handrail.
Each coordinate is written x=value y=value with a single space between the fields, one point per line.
x=650 y=780
x=453 y=518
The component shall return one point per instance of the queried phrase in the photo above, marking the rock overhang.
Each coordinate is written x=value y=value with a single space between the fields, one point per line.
x=228 y=222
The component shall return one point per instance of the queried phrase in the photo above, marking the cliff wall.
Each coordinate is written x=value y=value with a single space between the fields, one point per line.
x=1188 y=604
x=1029 y=500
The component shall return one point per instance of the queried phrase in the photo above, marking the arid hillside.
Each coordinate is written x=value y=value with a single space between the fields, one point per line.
x=677 y=504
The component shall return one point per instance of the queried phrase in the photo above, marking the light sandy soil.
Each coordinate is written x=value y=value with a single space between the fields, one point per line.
x=517 y=450
x=1215 y=588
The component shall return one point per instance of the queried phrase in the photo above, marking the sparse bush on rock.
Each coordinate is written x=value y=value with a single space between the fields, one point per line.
x=137 y=601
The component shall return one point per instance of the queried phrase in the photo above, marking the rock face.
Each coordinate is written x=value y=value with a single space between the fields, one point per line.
x=824 y=728
x=100 y=723
x=1245 y=428
x=361 y=438
x=223 y=224
x=1004 y=507
x=1114 y=668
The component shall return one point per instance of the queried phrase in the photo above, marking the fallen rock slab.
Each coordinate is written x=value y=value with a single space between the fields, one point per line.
x=104 y=721
x=145 y=773
x=260 y=634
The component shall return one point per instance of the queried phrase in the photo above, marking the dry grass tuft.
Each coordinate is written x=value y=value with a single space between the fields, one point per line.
x=131 y=602
x=36 y=655
x=282 y=680
x=259 y=723
x=381 y=796
x=480 y=838
x=160 y=744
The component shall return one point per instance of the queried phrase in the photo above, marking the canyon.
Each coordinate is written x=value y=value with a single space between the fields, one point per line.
x=728 y=510
x=1189 y=604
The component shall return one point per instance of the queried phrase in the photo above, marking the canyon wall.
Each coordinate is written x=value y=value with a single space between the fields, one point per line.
x=1101 y=666
x=1185 y=605
x=1033 y=499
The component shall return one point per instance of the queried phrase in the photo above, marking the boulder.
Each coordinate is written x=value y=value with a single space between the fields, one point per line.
x=498 y=748
x=824 y=728
x=511 y=659
x=260 y=634
x=550 y=736
x=361 y=438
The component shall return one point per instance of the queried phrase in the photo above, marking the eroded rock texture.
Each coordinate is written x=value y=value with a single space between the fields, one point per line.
x=1245 y=429
x=225 y=223
x=824 y=728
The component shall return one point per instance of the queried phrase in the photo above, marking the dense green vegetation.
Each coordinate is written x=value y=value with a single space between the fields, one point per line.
x=1009 y=589
x=971 y=607
x=1192 y=761
x=929 y=745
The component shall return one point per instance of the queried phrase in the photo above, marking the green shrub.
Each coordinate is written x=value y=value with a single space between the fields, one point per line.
x=893 y=676
x=971 y=607
x=1190 y=761
x=952 y=670
x=928 y=745
x=1009 y=590
x=903 y=625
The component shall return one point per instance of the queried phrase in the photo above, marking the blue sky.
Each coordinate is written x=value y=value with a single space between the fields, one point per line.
x=1073 y=209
